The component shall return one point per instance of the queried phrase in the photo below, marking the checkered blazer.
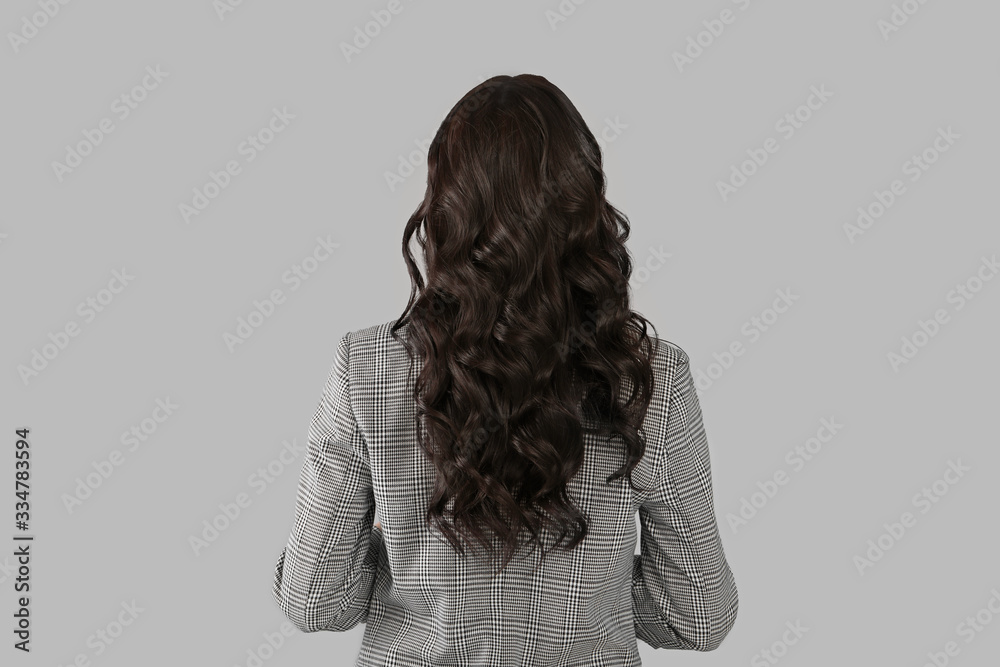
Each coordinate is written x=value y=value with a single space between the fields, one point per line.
x=422 y=604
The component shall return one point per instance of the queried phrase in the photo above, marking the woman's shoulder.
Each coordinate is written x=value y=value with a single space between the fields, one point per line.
x=669 y=353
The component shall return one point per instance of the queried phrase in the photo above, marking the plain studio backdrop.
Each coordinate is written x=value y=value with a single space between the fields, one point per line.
x=812 y=190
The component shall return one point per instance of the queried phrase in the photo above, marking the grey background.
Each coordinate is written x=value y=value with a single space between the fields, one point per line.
x=324 y=175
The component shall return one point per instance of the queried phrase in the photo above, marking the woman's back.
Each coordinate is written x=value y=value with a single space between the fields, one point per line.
x=425 y=604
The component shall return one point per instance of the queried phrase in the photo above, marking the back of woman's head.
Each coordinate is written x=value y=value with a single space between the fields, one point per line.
x=523 y=326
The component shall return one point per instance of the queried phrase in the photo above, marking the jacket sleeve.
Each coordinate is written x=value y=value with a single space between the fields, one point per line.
x=683 y=592
x=324 y=576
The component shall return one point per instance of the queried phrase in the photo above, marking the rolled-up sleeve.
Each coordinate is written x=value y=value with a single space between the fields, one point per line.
x=324 y=575
x=683 y=591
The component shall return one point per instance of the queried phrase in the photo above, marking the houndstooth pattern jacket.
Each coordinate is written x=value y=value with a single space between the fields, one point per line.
x=422 y=604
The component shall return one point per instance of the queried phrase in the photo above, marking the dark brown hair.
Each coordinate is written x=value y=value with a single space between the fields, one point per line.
x=523 y=329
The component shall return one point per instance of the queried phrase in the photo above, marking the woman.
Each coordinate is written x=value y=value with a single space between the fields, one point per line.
x=508 y=426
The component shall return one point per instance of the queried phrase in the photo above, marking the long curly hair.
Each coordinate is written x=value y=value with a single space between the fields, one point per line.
x=523 y=329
